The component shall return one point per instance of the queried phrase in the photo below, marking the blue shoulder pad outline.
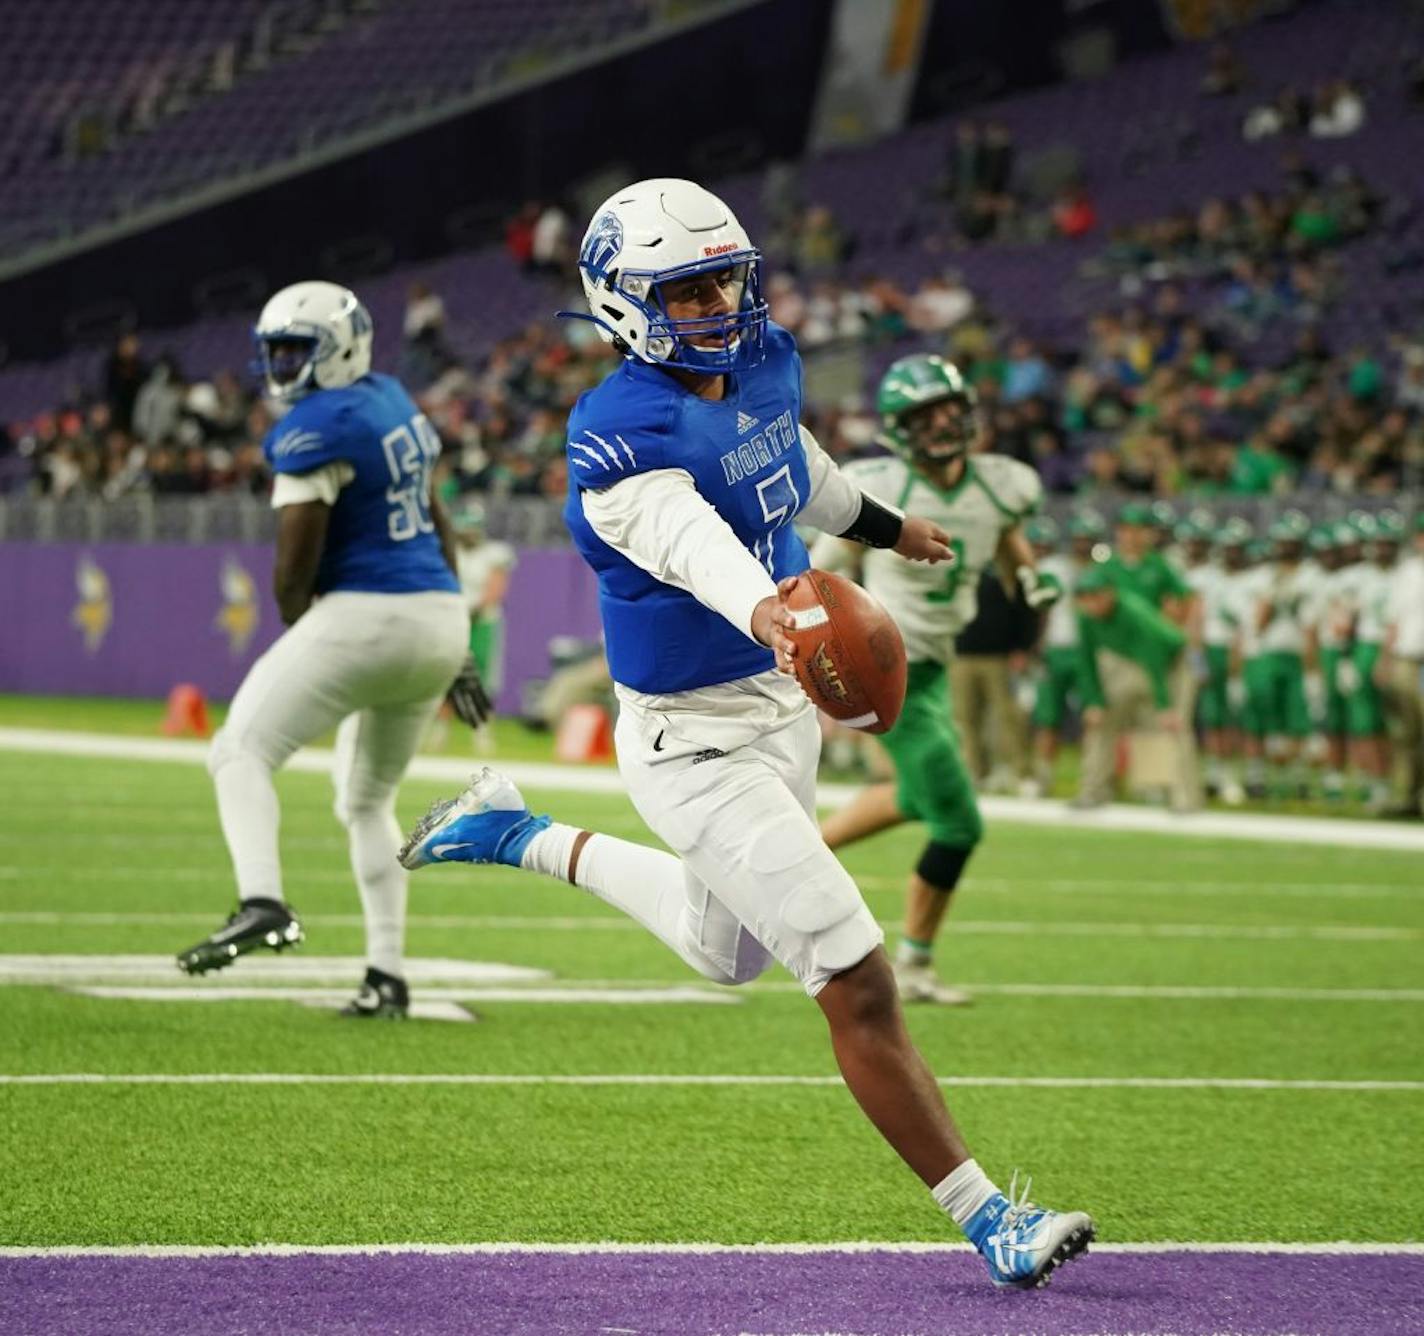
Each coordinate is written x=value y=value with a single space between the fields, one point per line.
x=306 y=440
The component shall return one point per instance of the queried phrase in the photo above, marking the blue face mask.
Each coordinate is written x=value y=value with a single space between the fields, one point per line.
x=742 y=332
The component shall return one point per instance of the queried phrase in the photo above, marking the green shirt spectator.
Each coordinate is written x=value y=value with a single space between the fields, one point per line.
x=1128 y=625
x=1258 y=470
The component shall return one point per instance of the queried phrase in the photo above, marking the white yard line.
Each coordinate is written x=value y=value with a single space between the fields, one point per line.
x=648 y=1079
x=1266 y=932
x=564 y=993
x=1095 y=888
x=175 y=1250
x=597 y=779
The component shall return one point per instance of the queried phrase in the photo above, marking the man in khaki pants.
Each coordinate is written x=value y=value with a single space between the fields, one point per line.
x=1400 y=675
x=1150 y=679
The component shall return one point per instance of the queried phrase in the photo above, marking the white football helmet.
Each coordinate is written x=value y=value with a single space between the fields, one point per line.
x=657 y=231
x=312 y=336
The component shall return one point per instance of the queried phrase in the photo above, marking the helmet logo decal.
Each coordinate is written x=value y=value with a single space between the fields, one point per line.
x=603 y=243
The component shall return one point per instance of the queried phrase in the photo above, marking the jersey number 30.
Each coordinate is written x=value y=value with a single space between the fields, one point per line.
x=411 y=452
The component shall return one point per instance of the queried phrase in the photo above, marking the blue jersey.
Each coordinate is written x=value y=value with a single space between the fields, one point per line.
x=381 y=538
x=745 y=455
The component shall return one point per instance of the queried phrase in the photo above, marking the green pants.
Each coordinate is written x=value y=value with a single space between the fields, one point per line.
x=1275 y=684
x=1364 y=709
x=931 y=780
x=487 y=646
x=1336 y=709
x=1058 y=683
x=1213 y=704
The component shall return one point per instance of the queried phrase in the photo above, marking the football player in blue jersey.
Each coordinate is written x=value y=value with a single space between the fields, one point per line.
x=688 y=466
x=377 y=633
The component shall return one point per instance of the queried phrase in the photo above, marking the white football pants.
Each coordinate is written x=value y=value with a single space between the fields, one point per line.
x=378 y=665
x=759 y=882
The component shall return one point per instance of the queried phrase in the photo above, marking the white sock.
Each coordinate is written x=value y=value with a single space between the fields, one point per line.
x=250 y=817
x=375 y=838
x=646 y=884
x=962 y=1194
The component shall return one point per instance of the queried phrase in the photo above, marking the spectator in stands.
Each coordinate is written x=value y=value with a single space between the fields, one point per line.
x=158 y=407
x=942 y=302
x=425 y=354
x=124 y=372
x=1339 y=111
x=819 y=246
x=1073 y=213
x=549 y=242
x=1225 y=73
x=996 y=160
x=519 y=235
x=1026 y=373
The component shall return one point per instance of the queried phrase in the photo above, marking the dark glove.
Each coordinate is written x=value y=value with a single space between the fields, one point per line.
x=467 y=695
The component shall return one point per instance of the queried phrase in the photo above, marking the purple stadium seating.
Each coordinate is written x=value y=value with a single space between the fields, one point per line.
x=1038 y=288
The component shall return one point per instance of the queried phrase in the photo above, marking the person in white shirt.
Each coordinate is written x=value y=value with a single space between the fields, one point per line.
x=1058 y=684
x=1211 y=580
x=1365 y=706
x=1400 y=673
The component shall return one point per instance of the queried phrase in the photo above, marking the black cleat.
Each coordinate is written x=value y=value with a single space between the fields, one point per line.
x=255 y=923
x=382 y=996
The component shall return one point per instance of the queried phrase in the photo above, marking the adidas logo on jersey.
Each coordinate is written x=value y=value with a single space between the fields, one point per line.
x=745 y=422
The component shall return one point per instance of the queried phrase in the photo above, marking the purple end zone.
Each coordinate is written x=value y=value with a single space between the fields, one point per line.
x=683 y=1294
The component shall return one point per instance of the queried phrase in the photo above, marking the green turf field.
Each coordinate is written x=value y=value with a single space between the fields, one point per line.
x=1104 y=956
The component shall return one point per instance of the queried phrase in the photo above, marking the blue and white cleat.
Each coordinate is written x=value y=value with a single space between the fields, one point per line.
x=1022 y=1243
x=487 y=823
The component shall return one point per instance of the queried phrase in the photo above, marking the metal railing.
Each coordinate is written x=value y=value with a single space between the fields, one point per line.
x=526 y=521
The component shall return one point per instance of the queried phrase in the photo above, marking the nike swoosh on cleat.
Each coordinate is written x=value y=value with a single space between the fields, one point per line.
x=440 y=850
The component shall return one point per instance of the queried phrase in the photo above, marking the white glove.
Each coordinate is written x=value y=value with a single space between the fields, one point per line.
x=1347 y=677
x=1041 y=590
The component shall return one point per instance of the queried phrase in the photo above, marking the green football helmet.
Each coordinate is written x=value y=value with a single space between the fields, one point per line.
x=918 y=382
x=1236 y=532
x=1041 y=531
x=1163 y=515
x=1390 y=525
x=1087 y=523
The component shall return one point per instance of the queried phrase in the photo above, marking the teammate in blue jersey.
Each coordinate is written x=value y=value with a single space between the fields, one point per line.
x=688 y=467
x=378 y=632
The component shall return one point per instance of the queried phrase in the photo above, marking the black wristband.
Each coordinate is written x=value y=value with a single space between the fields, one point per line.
x=877 y=525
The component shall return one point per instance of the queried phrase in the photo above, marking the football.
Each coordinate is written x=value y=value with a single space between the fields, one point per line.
x=850 y=656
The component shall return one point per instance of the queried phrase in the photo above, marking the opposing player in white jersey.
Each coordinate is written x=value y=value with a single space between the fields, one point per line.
x=928 y=418
x=687 y=468
x=1383 y=535
x=1275 y=672
x=1059 y=687
x=483 y=566
x=1209 y=580
x=378 y=634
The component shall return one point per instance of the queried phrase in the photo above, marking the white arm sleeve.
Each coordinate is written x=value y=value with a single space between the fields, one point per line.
x=323 y=484
x=834 y=503
x=661 y=523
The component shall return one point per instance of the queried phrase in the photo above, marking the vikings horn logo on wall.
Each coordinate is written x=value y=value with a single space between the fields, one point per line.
x=94 y=613
x=239 y=614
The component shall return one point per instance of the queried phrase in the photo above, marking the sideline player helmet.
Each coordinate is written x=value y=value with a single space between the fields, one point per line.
x=917 y=382
x=312 y=336
x=659 y=231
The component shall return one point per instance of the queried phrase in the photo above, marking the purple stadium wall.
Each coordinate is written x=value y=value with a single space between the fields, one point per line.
x=113 y=619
